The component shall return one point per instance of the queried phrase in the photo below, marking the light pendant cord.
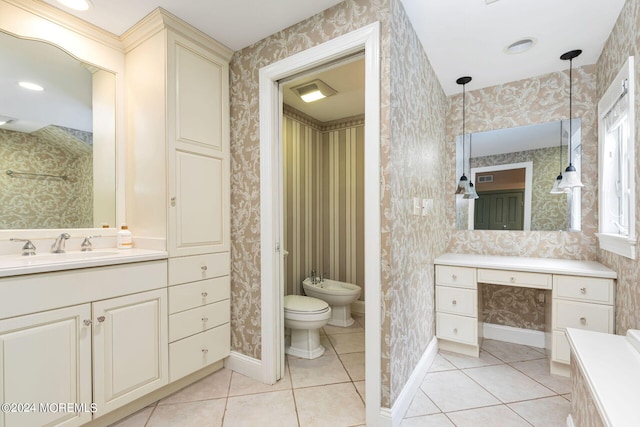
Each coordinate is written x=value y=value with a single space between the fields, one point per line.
x=570 y=111
x=560 y=147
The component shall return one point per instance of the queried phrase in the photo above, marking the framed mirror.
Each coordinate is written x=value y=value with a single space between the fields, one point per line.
x=513 y=171
x=58 y=144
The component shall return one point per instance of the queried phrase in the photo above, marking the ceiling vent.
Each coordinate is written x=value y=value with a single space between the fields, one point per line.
x=485 y=178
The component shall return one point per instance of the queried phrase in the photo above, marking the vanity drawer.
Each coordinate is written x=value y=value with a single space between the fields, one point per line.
x=198 y=267
x=197 y=294
x=462 y=277
x=590 y=289
x=593 y=317
x=456 y=301
x=457 y=328
x=197 y=320
x=561 y=350
x=197 y=351
x=515 y=278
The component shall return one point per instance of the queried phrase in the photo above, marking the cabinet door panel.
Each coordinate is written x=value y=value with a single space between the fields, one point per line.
x=130 y=348
x=45 y=358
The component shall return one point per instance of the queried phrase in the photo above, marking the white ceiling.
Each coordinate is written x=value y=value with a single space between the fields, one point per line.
x=467 y=37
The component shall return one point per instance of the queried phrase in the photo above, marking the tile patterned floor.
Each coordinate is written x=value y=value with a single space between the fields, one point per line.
x=327 y=391
x=509 y=385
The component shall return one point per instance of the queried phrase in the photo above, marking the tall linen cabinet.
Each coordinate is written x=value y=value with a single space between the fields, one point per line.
x=177 y=177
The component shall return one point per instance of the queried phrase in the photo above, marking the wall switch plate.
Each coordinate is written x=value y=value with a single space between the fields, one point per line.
x=416 y=206
x=427 y=206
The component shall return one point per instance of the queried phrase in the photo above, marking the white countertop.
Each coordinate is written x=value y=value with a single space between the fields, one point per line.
x=611 y=367
x=534 y=265
x=14 y=265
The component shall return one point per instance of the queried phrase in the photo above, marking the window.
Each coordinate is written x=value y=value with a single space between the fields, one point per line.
x=617 y=165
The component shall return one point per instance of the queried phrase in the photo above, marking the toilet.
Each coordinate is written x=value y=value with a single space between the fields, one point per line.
x=305 y=316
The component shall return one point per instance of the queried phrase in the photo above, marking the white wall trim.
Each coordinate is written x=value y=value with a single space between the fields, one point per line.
x=358 y=307
x=245 y=365
x=366 y=38
x=403 y=401
x=385 y=419
x=513 y=335
x=570 y=421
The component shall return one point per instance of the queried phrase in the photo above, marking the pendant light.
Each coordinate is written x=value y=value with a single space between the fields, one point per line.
x=571 y=177
x=463 y=184
x=471 y=194
x=556 y=183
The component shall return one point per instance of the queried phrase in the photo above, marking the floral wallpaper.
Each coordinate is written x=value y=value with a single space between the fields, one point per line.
x=46 y=202
x=623 y=42
x=583 y=408
x=535 y=100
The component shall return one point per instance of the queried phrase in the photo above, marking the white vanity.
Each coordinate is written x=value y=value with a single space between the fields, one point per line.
x=582 y=297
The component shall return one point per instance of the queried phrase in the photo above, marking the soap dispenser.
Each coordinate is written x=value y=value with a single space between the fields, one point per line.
x=124 y=238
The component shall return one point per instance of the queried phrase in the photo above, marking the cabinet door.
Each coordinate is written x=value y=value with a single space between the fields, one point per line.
x=45 y=359
x=130 y=348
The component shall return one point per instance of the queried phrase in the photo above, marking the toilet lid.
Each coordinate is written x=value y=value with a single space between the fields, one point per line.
x=299 y=303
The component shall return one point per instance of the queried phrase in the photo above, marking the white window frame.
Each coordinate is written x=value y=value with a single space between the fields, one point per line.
x=619 y=244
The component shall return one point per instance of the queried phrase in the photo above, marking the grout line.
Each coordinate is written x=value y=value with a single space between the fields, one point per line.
x=151 y=414
x=295 y=405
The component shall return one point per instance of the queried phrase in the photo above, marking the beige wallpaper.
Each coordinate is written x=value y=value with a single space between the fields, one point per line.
x=624 y=42
x=46 y=202
x=583 y=408
x=324 y=199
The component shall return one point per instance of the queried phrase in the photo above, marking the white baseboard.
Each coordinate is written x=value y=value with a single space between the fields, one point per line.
x=357 y=307
x=405 y=397
x=385 y=419
x=245 y=365
x=570 y=421
x=514 y=335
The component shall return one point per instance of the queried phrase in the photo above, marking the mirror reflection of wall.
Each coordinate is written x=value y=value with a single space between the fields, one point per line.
x=57 y=145
x=513 y=171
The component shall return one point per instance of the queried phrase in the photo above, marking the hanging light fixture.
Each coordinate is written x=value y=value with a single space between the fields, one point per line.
x=556 y=183
x=463 y=183
x=571 y=177
x=471 y=194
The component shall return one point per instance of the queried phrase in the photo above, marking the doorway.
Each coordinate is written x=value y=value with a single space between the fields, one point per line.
x=365 y=39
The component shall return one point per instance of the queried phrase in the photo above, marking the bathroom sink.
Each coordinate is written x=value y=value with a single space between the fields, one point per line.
x=65 y=257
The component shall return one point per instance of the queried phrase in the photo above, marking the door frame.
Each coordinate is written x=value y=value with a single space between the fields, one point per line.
x=366 y=38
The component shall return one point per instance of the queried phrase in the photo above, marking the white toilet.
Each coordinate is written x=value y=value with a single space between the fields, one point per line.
x=305 y=316
x=339 y=295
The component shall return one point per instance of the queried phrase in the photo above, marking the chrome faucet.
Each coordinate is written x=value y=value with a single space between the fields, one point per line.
x=58 y=245
x=86 y=245
x=28 y=249
x=314 y=278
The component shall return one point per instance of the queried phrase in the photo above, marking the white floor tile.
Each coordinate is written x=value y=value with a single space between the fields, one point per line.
x=494 y=416
x=509 y=352
x=549 y=412
x=241 y=385
x=330 y=405
x=462 y=361
x=507 y=384
x=539 y=371
x=207 y=413
x=138 y=419
x=214 y=386
x=421 y=405
x=362 y=389
x=275 y=409
x=441 y=364
x=567 y=396
x=321 y=371
x=348 y=343
x=437 y=420
x=354 y=364
x=454 y=391
x=335 y=330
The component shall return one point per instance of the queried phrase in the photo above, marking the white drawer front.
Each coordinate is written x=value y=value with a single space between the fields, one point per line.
x=197 y=294
x=561 y=351
x=457 y=328
x=456 y=301
x=197 y=320
x=462 y=277
x=197 y=351
x=590 y=289
x=515 y=278
x=198 y=267
x=593 y=317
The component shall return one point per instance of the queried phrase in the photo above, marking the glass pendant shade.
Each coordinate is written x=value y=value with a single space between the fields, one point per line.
x=471 y=193
x=463 y=185
x=570 y=179
x=556 y=186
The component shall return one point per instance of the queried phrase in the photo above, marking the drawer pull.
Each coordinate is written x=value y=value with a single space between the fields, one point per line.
x=204 y=268
x=455 y=330
x=454 y=277
x=86 y=322
x=205 y=351
x=583 y=320
x=454 y=302
x=583 y=290
x=204 y=294
x=101 y=319
x=205 y=319
x=512 y=279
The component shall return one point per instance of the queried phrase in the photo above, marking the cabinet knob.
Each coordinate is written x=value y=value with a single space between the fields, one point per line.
x=204 y=294
x=101 y=319
x=205 y=319
x=86 y=322
x=454 y=302
x=583 y=290
x=454 y=277
x=455 y=330
x=203 y=268
x=583 y=320
x=173 y=201
x=205 y=351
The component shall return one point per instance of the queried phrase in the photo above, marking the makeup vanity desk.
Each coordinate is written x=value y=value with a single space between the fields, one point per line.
x=582 y=297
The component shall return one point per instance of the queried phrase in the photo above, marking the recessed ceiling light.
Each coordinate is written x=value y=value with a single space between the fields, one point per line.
x=520 y=46
x=314 y=90
x=31 y=86
x=76 y=4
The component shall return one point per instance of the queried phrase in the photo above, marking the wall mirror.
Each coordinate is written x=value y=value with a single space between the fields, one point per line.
x=513 y=171
x=57 y=145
